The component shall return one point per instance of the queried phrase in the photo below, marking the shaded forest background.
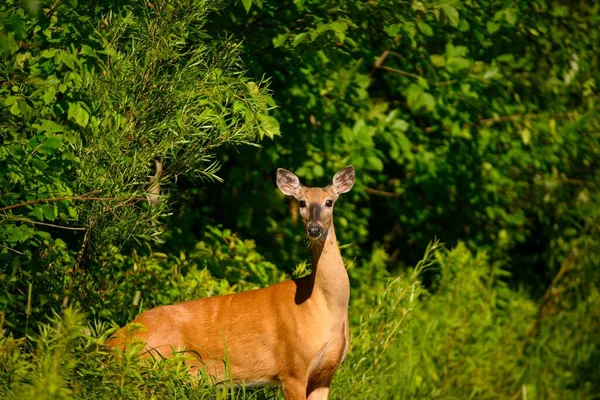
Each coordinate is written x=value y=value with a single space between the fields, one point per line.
x=139 y=143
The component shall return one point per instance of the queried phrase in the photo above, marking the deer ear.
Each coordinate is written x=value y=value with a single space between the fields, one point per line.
x=343 y=180
x=287 y=182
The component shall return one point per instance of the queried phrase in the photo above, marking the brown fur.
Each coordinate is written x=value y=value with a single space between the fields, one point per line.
x=295 y=332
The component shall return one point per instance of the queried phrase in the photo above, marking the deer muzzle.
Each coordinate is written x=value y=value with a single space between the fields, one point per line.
x=314 y=231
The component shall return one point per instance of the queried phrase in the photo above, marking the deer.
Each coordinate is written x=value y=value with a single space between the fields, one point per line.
x=294 y=333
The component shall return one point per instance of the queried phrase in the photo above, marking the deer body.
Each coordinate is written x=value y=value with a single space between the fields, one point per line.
x=294 y=333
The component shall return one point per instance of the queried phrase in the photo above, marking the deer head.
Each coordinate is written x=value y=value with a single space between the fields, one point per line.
x=316 y=204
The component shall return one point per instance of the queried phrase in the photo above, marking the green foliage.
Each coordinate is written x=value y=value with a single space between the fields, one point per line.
x=380 y=321
x=94 y=100
x=475 y=337
x=70 y=361
x=475 y=121
x=222 y=263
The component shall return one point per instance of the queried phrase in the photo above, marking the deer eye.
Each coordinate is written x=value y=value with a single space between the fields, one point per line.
x=329 y=203
x=302 y=203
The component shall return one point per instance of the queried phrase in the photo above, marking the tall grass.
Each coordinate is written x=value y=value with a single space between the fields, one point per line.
x=468 y=337
x=471 y=338
x=68 y=359
x=379 y=322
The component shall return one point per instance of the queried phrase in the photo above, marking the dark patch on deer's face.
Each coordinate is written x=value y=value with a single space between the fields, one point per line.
x=316 y=209
x=315 y=213
x=314 y=228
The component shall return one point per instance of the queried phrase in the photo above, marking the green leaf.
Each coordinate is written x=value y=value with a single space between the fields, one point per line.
x=14 y=234
x=73 y=110
x=49 y=126
x=87 y=50
x=49 y=95
x=299 y=39
x=51 y=145
x=339 y=28
x=37 y=212
x=510 y=16
x=425 y=28
x=401 y=125
x=492 y=26
x=44 y=235
x=451 y=13
x=392 y=30
x=280 y=39
x=247 y=4
x=82 y=118
x=346 y=134
x=72 y=212
x=10 y=100
x=39 y=164
x=428 y=101
x=438 y=60
x=418 y=6
x=375 y=163
x=318 y=171
x=14 y=109
x=526 y=136
x=67 y=59
x=361 y=132
x=49 y=212
x=49 y=53
x=269 y=125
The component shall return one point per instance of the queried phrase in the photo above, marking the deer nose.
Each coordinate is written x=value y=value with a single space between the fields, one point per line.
x=314 y=231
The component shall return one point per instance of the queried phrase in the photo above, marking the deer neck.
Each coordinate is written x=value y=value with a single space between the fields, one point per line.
x=328 y=272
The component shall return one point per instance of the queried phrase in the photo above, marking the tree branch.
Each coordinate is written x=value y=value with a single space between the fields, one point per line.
x=381 y=193
x=77 y=268
x=549 y=300
x=379 y=61
x=509 y=118
x=494 y=120
x=400 y=72
x=30 y=221
x=80 y=198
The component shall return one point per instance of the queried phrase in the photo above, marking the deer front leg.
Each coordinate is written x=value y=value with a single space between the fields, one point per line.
x=319 y=382
x=318 y=386
x=320 y=393
x=294 y=389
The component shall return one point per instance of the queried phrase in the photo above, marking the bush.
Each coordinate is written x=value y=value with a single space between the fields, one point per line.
x=473 y=121
x=96 y=100
x=473 y=336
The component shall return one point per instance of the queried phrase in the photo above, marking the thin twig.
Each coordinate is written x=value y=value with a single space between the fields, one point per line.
x=494 y=120
x=82 y=198
x=400 y=72
x=11 y=249
x=508 y=118
x=384 y=55
x=576 y=181
x=29 y=221
x=77 y=267
x=380 y=192
x=552 y=293
x=379 y=61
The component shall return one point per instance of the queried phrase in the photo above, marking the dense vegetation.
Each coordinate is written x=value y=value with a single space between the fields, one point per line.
x=139 y=142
